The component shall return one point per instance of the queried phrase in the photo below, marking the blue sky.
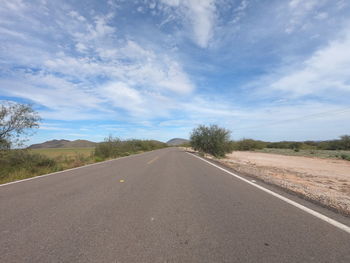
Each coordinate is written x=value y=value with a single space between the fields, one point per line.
x=270 y=70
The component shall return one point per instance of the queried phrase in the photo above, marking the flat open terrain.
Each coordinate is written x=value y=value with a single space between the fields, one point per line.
x=323 y=180
x=334 y=154
x=160 y=206
x=69 y=152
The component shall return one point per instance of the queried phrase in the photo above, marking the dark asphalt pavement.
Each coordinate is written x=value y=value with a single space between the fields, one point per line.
x=171 y=207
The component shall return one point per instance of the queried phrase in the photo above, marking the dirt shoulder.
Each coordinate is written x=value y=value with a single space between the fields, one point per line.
x=325 y=181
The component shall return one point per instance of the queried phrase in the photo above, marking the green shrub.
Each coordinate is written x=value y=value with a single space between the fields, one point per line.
x=290 y=145
x=345 y=142
x=114 y=147
x=23 y=162
x=110 y=148
x=98 y=159
x=345 y=157
x=212 y=139
x=4 y=144
x=249 y=145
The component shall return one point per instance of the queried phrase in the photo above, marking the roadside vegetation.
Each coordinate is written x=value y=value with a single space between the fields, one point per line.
x=21 y=164
x=343 y=143
x=337 y=149
x=64 y=152
x=216 y=141
x=17 y=164
x=18 y=120
x=211 y=139
x=113 y=147
x=332 y=154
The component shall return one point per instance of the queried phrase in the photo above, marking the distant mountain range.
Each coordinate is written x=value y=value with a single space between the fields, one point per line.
x=177 y=141
x=86 y=143
x=63 y=144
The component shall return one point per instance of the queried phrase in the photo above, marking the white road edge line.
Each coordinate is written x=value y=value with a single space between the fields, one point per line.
x=72 y=169
x=293 y=203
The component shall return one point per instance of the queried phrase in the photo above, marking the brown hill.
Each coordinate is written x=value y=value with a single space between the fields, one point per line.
x=63 y=144
x=177 y=141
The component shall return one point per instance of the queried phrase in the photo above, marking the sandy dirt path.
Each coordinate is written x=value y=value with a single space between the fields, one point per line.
x=326 y=181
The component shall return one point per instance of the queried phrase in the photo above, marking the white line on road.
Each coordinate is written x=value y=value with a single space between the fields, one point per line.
x=293 y=203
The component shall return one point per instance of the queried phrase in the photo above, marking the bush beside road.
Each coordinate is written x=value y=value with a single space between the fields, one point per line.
x=19 y=164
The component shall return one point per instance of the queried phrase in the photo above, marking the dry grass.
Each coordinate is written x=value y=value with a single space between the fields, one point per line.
x=21 y=164
x=67 y=152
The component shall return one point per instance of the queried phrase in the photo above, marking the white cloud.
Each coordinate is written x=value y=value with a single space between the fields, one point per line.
x=305 y=119
x=342 y=4
x=242 y=6
x=140 y=81
x=49 y=91
x=203 y=20
x=52 y=128
x=321 y=16
x=152 y=5
x=200 y=15
x=162 y=76
x=15 y=5
x=302 y=7
x=81 y=47
x=122 y=96
x=239 y=12
x=89 y=32
x=76 y=15
x=299 y=11
x=132 y=50
x=144 y=69
x=5 y=31
x=325 y=71
x=172 y=2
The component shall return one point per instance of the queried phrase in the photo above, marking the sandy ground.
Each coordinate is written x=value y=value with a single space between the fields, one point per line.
x=336 y=169
x=326 y=181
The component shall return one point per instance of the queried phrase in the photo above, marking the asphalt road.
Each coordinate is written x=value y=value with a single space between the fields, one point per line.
x=171 y=207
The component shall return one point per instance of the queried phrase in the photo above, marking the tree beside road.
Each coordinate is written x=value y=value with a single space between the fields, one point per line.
x=16 y=120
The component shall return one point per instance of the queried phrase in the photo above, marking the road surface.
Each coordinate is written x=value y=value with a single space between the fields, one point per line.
x=160 y=206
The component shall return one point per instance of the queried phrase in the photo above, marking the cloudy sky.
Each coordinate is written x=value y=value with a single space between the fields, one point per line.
x=265 y=69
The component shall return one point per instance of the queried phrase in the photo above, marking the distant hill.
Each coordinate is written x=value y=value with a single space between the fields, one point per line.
x=63 y=144
x=176 y=141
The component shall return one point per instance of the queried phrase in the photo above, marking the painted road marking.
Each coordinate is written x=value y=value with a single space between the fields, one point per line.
x=154 y=159
x=285 y=199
